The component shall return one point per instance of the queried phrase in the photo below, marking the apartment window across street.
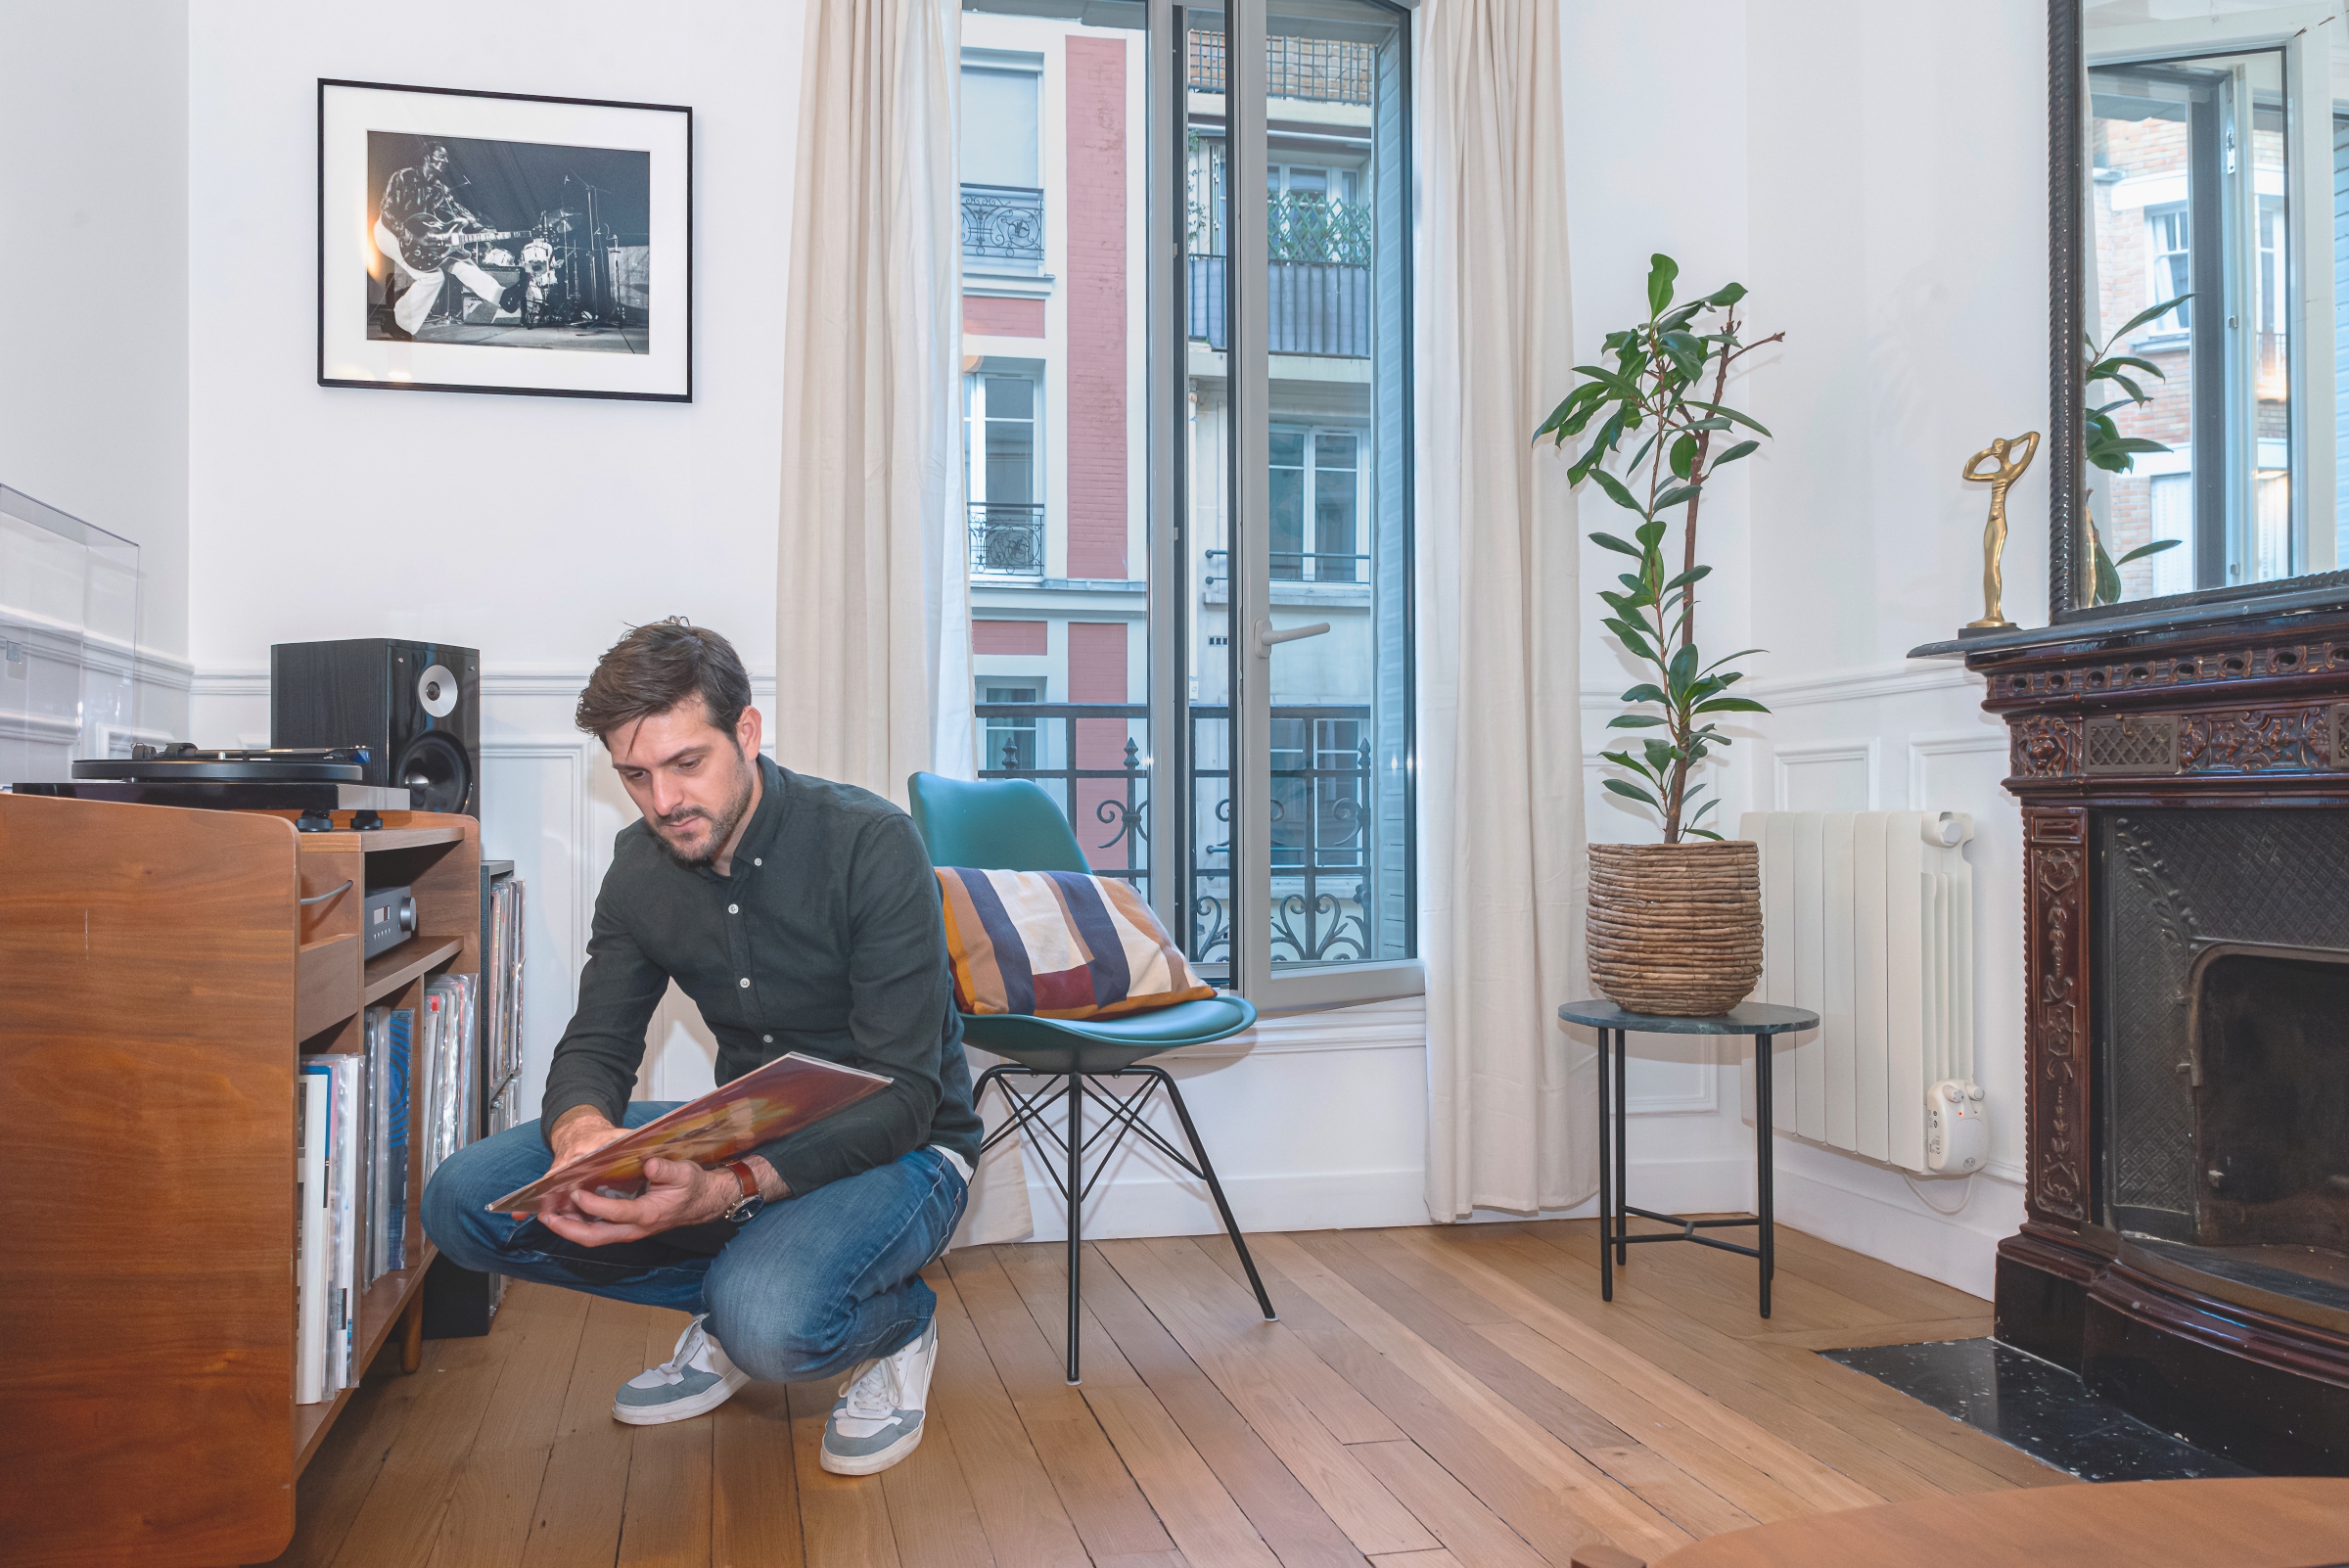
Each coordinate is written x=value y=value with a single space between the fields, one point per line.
x=1214 y=435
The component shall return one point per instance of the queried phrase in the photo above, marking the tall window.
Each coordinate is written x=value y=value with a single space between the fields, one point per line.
x=2192 y=166
x=1216 y=434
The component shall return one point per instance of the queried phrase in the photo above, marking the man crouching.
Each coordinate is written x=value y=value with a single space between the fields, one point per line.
x=798 y=915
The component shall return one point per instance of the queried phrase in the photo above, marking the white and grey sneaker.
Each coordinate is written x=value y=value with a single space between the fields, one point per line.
x=878 y=1418
x=694 y=1381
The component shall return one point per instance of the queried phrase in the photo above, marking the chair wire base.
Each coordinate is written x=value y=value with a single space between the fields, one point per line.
x=1122 y=1114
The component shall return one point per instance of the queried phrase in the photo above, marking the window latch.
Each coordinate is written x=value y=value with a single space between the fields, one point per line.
x=1266 y=637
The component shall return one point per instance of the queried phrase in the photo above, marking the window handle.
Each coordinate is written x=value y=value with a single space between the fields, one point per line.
x=1266 y=637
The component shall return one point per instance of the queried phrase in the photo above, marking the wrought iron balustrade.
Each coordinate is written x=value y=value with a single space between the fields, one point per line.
x=1324 y=799
x=1310 y=308
x=1002 y=223
x=1317 y=70
x=1298 y=566
x=1007 y=538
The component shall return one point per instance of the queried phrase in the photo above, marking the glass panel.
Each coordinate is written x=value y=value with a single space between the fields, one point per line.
x=2190 y=179
x=1054 y=448
x=69 y=642
x=1339 y=514
x=1206 y=492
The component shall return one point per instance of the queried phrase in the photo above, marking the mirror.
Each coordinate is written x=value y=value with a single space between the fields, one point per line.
x=2199 y=191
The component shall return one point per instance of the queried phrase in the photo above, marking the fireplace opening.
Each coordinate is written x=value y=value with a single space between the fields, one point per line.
x=2269 y=1032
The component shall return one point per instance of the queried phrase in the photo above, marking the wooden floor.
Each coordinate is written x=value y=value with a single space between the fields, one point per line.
x=1430 y=1398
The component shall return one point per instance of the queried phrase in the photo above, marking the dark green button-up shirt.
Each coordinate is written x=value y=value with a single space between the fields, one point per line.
x=825 y=938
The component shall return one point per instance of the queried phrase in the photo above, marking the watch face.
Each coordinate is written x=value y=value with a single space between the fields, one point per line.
x=747 y=1210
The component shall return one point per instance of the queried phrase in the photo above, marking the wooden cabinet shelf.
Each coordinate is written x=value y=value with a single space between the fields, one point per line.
x=161 y=972
x=412 y=959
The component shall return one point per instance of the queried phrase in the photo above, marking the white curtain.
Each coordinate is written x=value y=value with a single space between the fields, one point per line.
x=874 y=603
x=1501 y=873
x=872 y=616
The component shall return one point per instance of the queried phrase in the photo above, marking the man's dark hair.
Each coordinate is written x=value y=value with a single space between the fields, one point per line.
x=655 y=668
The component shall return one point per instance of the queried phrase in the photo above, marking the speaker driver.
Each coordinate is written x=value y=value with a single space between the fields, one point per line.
x=435 y=772
x=437 y=689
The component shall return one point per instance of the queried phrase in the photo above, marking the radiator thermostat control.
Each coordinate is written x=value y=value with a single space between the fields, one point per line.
x=1956 y=1128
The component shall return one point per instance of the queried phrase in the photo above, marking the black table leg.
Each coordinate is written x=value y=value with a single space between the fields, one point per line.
x=1764 y=1134
x=1623 y=1194
x=1606 y=1195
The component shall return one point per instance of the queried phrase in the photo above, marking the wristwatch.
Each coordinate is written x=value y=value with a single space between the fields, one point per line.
x=744 y=1209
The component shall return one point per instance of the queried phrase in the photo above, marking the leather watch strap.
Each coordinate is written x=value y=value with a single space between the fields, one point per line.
x=749 y=1183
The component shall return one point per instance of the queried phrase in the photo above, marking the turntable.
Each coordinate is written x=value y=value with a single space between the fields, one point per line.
x=308 y=780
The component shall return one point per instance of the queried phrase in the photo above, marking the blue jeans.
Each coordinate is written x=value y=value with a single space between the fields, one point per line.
x=809 y=1288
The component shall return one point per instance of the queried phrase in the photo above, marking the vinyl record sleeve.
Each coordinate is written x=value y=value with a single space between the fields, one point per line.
x=773 y=1101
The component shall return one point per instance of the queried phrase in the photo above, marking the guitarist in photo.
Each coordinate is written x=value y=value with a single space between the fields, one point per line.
x=419 y=229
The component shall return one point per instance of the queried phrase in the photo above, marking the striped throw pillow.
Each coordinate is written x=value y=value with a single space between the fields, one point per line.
x=1059 y=944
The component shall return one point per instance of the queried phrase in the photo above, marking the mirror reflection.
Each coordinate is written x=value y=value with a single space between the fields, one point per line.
x=2210 y=419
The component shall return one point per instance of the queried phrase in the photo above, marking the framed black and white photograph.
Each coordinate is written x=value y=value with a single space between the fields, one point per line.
x=503 y=242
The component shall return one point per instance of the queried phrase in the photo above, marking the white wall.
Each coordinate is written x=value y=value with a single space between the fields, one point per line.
x=93 y=267
x=1875 y=176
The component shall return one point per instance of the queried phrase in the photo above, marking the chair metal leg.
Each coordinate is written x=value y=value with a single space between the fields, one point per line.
x=1075 y=1207
x=1216 y=1188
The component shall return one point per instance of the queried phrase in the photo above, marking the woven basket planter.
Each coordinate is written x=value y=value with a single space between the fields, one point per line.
x=1675 y=929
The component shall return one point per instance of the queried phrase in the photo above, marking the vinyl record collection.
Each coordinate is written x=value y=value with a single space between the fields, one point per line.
x=420 y=1067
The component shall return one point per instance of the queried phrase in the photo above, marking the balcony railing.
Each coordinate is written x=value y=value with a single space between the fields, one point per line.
x=1298 y=566
x=1003 y=223
x=1007 y=538
x=1319 y=70
x=1310 y=307
x=1324 y=797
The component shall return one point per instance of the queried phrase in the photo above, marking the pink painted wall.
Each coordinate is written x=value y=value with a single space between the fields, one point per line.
x=1096 y=296
x=987 y=316
x=1007 y=637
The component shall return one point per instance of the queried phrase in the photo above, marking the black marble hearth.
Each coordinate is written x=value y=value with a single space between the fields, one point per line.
x=2037 y=1407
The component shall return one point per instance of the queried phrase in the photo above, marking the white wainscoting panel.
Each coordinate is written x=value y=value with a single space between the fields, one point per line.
x=1833 y=776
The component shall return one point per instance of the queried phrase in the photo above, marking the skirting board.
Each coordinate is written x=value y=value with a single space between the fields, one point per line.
x=1821 y=1194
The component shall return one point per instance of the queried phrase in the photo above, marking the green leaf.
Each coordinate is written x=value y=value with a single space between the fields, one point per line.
x=1645 y=692
x=1608 y=541
x=1683 y=667
x=2155 y=549
x=1632 y=790
x=1729 y=294
x=1692 y=574
x=1614 y=490
x=1649 y=532
x=1731 y=705
x=2136 y=393
x=1633 y=638
x=1729 y=413
x=1739 y=654
x=1741 y=449
x=2144 y=316
x=1677 y=494
x=1684 y=454
x=1662 y=270
x=2109 y=578
x=1700 y=832
x=1716 y=422
x=2129 y=362
x=1661 y=757
x=1634 y=722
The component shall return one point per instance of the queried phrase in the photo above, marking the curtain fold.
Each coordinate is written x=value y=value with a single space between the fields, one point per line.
x=873 y=605
x=1501 y=851
x=872 y=624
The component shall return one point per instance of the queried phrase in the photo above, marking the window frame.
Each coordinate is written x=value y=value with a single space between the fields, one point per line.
x=1245 y=244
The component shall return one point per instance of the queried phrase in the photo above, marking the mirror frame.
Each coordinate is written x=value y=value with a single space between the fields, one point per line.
x=2066 y=134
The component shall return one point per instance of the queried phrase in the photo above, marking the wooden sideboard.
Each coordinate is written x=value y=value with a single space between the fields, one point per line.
x=160 y=974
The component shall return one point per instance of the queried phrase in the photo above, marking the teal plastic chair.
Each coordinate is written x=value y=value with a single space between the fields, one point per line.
x=1013 y=825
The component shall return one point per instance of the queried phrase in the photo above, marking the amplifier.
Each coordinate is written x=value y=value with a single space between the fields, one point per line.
x=389 y=920
x=480 y=312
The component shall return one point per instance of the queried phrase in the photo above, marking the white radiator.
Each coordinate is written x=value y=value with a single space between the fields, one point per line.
x=1868 y=921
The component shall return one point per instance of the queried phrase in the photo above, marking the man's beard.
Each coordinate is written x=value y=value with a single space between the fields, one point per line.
x=721 y=830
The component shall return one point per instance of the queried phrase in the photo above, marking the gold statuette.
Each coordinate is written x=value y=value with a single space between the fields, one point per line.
x=2009 y=459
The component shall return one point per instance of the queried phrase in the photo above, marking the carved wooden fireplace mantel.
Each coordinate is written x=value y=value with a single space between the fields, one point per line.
x=2148 y=1256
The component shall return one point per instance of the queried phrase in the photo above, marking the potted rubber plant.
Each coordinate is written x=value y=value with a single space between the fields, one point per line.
x=1675 y=928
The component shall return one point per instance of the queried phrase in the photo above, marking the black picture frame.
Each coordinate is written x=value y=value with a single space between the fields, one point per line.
x=513 y=361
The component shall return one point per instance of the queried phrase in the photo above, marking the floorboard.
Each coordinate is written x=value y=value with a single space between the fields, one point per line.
x=1435 y=1397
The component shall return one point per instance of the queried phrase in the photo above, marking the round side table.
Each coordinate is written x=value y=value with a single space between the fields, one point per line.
x=1763 y=1021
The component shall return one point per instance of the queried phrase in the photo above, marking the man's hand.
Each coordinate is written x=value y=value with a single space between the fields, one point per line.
x=577 y=1132
x=676 y=1194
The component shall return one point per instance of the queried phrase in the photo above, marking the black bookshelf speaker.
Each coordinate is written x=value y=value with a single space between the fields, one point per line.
x=415 y=706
